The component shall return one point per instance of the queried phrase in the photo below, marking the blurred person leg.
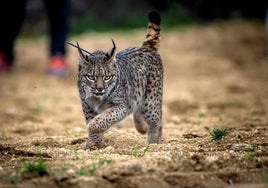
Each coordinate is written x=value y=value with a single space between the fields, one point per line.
x=12 y=15
x=58 y=13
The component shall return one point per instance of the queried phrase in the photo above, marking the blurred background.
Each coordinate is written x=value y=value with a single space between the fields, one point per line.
x=103 y=15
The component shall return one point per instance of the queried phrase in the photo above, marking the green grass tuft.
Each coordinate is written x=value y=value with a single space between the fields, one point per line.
x=11 y=179
x=103 y=161
x=37 y=109
x=202 y=115
x=218 y=133
x=35 y=169
x=265 y=178
x=137 y=153
x=76 y=155
x=87 y=172
x=93 y=167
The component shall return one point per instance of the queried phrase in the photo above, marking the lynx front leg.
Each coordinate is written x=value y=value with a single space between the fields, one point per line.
x=102 y=122
x=89 y=114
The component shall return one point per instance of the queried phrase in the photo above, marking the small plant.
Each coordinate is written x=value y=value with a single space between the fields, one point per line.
x=136 y=152
x=265 y=178
x=254 y=147
x=218 y=133
x=87 y=172
x=250 y=157
x=202 y=115
x=175 y=157
x=63 y=168
x=11 y=179
x=37 y=109
x=195 y=141
x=5 y=137
x=76 y=155
x=36 y=169
x=93 y=167
x=103 y=161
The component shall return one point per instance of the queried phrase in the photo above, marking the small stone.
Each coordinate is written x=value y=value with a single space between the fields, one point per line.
x=80 y=151
x=213 y=158
x=70 y=171
x=241 y=147
x=134 y=168
x=11 y=111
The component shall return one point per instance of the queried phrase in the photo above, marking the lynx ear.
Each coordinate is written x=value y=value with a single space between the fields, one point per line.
x=84 y=56
x=111 y=53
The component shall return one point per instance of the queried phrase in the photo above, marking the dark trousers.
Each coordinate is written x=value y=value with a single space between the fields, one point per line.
x=12 y=15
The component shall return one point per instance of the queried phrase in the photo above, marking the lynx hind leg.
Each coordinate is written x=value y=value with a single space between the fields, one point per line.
x=152 y=114
x=140 y=123
x=152 y=111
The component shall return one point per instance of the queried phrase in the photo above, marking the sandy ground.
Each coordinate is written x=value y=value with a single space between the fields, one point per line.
x=215 y=76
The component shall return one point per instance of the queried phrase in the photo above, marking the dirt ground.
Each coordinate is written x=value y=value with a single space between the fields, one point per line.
x=215 y=76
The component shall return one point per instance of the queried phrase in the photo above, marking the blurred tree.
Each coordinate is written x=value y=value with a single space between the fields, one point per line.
x=118 y=12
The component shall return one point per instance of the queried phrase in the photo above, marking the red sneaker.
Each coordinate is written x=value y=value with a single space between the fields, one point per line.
x=4 y=65
x=57 y=66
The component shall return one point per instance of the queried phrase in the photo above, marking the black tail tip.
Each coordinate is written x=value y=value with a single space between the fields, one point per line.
x=154 y=17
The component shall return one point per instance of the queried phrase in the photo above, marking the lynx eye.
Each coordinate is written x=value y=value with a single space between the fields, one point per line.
x=107 y=78
x=90 y=77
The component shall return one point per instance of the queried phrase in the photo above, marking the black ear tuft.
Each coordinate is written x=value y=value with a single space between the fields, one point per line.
x=154 y=17
x=111 y=53
x=78 y=47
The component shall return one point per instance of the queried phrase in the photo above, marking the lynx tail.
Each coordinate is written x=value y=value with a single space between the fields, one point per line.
x=153 y=34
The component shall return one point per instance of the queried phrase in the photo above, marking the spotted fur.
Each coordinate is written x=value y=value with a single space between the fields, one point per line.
x=114 y=85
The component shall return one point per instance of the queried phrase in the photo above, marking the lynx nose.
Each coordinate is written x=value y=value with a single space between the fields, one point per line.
x=99 y=86
x=100 y=90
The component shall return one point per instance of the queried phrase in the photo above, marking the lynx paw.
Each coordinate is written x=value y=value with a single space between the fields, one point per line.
x=89 y=145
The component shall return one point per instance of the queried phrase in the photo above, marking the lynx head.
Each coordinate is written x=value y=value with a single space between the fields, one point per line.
x=97 y=70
